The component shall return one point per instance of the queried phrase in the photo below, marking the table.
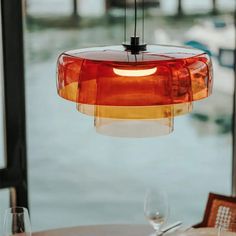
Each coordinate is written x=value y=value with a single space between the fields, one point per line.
x=100 y=230
x=124 y=230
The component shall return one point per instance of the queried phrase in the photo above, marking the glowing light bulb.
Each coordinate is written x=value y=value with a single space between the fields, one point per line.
x=134 y=73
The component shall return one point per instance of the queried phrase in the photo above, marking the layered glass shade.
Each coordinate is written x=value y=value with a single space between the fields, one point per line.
x=162 y=75
x=134 y=95
x=134 y=128
x=136 y=112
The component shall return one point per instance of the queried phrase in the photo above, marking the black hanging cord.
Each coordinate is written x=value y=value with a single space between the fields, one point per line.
x=135 y=18
x=135 y=47
x=125 y=19
x=143 y=20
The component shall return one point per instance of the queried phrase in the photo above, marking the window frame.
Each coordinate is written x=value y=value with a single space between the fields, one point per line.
x=14 y=175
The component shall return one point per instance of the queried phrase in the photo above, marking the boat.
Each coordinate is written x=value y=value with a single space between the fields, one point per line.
x=216 y=37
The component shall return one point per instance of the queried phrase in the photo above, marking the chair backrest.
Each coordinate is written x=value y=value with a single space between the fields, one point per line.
x=220 y=212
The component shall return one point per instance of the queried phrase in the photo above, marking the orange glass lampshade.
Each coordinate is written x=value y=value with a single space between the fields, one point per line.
x=111 y=76
x=134 y=94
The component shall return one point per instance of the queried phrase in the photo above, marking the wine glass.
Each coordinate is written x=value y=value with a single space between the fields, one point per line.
x=16 y=221
x=156 y=209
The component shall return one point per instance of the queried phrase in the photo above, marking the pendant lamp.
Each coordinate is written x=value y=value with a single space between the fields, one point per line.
x=134 y=90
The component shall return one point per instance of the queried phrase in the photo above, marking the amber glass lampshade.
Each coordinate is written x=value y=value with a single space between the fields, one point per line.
x=135 y=121
x=136 y=112
x=134 y=128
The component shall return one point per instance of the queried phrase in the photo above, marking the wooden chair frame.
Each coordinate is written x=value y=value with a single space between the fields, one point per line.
x=211 y=198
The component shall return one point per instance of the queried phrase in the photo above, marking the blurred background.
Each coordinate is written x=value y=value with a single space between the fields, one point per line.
x=78 y=177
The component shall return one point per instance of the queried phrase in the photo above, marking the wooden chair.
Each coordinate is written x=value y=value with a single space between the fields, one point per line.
x=220 y=212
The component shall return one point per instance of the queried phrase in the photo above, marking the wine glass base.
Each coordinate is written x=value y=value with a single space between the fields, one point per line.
x=156 y=234
x=152 y=234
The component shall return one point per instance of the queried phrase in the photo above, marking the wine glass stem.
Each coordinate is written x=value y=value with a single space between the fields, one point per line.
x=219 y=231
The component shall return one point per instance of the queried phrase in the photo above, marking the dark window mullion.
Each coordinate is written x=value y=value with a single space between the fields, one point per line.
x=14 y=90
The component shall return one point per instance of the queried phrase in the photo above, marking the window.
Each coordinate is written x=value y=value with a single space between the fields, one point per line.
x=78 y=177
